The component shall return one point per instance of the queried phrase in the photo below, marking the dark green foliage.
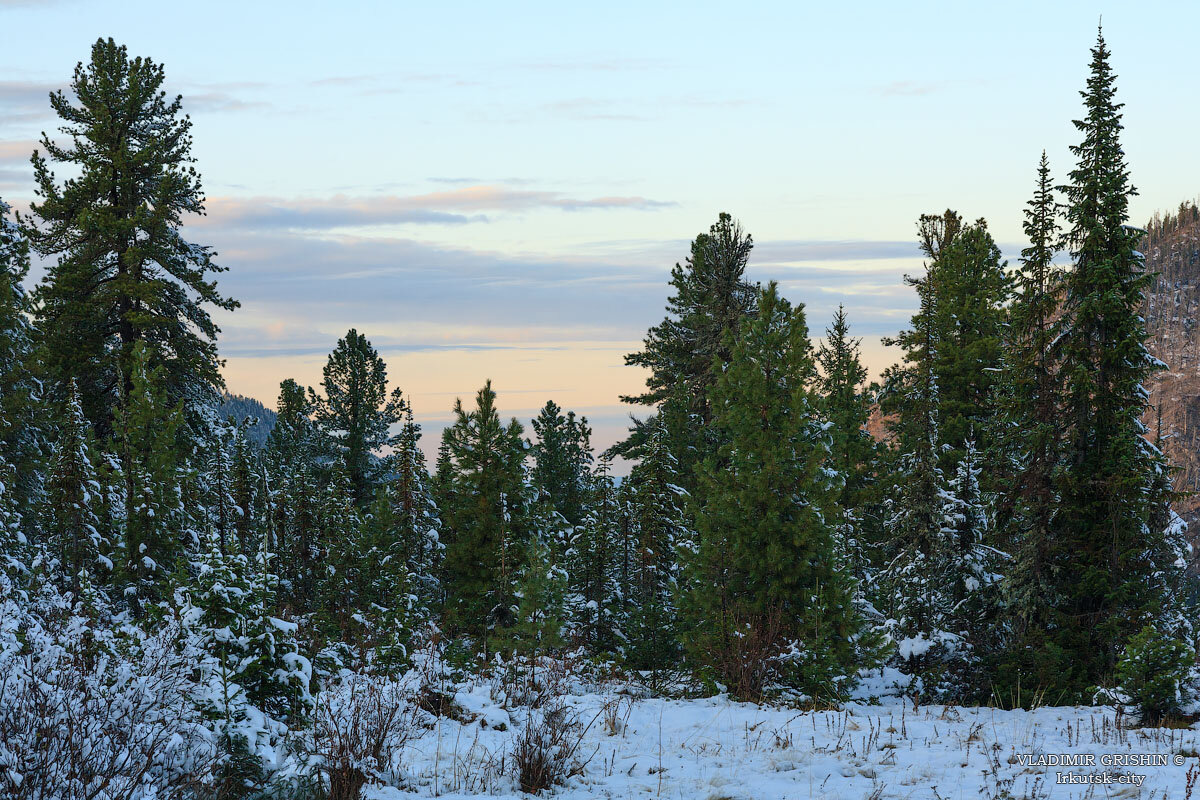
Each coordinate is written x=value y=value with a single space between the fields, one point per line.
x=683 y=352
x=72 y=499
x=147 y=441
x=596 y=562
x=963 y=291
x=123 y=273
x=413 y=517
x=21 y=420
x=540 y=616
x=293 y=524
x=562 y=457
x=1029 y=447
x=1109 y=569
x=357 y=411
x=1155 y=673
x=768 y=594
x=483 y=502
x=657 y=530
x=845 y=403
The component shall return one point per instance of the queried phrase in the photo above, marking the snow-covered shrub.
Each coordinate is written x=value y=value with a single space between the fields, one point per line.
x=89 y=713
x=1155 y=674
x=360 y=729
x=544 y=749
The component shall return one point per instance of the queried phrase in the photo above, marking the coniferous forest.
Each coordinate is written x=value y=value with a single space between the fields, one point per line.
x=192 y=610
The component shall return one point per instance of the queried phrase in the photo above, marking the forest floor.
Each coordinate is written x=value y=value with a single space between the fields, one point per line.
x=624 y=746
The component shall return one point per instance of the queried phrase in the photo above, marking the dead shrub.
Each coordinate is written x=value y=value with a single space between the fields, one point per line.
x=359 y=732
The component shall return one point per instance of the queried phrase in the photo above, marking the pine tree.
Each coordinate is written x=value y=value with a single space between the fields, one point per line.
x=341 y=562
x=539 y=618
x=484 y=504
x=1104 y=556
x=357 y=411
x=123 y=273
x=968 y=286
x=562 y=457
x=712 y=298
x=244 y=490
x=218 y=479
x=914 y=587
x=768 y=594
x=73 y=495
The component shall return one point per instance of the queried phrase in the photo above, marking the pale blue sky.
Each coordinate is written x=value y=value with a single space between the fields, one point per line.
x=500 y=191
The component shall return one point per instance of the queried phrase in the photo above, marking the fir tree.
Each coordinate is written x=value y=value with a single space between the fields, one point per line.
x=357 y=411
x=1110 y=580
x=123 y=273
x=255 y=683
x=539 y=618
x=846 y=406
x=767 y=590
x=1030 y=444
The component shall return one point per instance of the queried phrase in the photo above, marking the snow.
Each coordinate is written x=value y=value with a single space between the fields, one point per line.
x=875 y=747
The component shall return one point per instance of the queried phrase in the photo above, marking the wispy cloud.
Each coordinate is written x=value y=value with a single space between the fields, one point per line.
x=452 y=207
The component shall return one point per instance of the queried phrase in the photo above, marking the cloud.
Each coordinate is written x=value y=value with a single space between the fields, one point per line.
x=452 y=207
x=789 y=252
x=25 y=101
x=214 y=101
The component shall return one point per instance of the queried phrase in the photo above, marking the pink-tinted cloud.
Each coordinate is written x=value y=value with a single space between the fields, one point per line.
x=456 y=206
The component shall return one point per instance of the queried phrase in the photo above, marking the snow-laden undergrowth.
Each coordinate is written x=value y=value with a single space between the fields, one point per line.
x=626 y=744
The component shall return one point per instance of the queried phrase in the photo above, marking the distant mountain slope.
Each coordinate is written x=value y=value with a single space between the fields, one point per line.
x=240 y=408
x=1172 y=249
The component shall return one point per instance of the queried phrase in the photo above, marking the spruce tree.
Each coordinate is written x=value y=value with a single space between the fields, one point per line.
x=769 y=595
x=356 y=411
x=123 y=273
x=1107 y=557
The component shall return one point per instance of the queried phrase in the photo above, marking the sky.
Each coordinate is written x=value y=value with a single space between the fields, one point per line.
x=500 y=190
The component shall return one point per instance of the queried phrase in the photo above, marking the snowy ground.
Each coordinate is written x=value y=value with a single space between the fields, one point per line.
x=715 y=748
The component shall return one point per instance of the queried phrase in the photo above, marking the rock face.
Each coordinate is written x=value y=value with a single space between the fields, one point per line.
x=1172 y=250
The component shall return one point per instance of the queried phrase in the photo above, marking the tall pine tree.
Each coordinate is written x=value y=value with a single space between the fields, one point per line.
x=123 y=273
